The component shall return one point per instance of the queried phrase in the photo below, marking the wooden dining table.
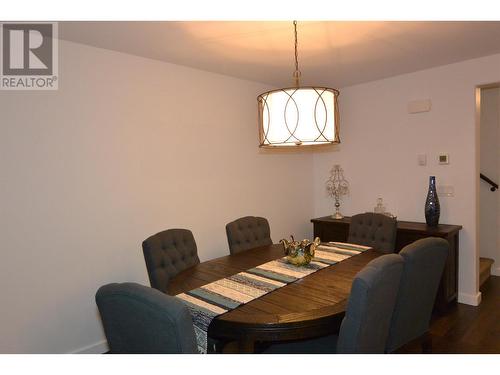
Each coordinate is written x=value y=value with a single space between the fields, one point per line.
x=310 y=307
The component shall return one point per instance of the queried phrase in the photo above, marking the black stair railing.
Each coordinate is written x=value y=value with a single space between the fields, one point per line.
x=494 y=185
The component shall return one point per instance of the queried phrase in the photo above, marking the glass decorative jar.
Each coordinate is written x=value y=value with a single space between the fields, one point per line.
x=379 y=208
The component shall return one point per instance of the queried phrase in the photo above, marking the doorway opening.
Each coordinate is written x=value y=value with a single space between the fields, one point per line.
x=488 y=195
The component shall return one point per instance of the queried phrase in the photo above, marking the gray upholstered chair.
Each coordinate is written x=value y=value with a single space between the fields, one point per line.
x=247 y=233
x=375 y=230
x=365 y=326
x=139 y=319
x=424 y=263
x=167 y=253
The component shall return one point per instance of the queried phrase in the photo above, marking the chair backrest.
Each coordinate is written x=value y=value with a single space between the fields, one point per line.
x=424 y=264
x=375 y=230
x=365 y=326
x=167 y=253
x=247 y=233
x=139 y=319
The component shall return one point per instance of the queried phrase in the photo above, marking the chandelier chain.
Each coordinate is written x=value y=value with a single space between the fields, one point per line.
x=297 y=73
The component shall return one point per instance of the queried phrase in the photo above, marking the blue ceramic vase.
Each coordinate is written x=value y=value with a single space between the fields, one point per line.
x=432 y=208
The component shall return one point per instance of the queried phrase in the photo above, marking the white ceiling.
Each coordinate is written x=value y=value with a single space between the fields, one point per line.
x=334 y=54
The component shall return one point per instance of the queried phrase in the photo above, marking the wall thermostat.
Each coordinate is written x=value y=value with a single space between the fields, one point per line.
x=444 y=159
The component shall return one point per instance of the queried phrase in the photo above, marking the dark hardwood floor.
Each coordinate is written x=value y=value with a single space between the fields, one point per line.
x=468 y=329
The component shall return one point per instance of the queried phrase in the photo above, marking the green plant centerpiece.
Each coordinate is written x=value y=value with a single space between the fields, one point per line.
x=299 y=253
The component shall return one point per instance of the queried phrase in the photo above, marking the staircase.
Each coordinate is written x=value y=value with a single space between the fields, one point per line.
x=484 y=270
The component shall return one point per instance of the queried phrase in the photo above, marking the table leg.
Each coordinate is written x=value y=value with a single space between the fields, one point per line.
x=241 y=347
x=246 y=346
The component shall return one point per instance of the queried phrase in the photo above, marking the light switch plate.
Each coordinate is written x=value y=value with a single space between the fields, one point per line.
x=422 y=159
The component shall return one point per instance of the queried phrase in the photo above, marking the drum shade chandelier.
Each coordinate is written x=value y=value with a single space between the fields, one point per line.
x=298 y=116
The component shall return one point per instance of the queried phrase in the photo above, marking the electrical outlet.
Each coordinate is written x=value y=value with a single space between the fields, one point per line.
x=445 y=191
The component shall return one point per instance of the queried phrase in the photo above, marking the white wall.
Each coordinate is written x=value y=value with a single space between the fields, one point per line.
x=129 y=146
x=490 y=166
x=125 y=148
x=381 y=142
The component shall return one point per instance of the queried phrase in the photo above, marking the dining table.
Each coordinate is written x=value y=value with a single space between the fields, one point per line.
x=307 y=308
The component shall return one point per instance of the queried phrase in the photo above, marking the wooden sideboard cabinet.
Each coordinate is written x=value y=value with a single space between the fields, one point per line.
x=329 y=229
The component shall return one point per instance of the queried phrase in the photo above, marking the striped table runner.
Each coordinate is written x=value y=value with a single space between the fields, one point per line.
x=218 y=297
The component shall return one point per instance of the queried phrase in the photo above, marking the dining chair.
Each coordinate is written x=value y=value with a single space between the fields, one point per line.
x=375 y=230
x=140 y=319
x=247 y=233
x=424 y=262
x=365 y=326
x=167 y=253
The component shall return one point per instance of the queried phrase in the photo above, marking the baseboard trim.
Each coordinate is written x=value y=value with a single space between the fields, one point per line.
x=495 y=271
x=97 y=348
x=470 y=299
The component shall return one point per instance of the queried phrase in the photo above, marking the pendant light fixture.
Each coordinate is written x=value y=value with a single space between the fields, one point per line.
x=299 y=115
